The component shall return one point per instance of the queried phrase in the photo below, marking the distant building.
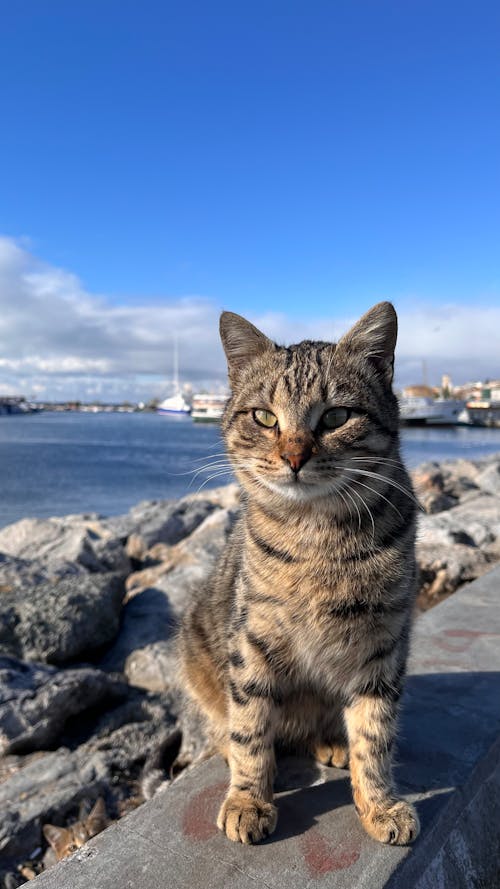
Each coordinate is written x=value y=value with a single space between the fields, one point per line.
x=420 y=391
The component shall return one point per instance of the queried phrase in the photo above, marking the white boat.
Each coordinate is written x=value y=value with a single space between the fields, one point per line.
x=208 y=407
x=426 y=411
x=176 y=403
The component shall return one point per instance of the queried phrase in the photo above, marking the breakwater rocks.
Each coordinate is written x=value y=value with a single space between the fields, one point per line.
x=88 y=610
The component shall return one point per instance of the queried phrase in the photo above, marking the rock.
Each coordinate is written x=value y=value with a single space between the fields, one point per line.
x=460 y=544
x=73 y=540
x=45 y=791
x=201 y=548
x=148 y=624
x=444 y=568
x=153 y=667
x=161 y=521
x=132 y=731
x=157 y=597
x=489 y=479
x=36 y=701
x=169 y=521
x=59 y=619
x=23 y=573
x=103 y=752
x=478 y=518
x=135 y=548
x=441 y=486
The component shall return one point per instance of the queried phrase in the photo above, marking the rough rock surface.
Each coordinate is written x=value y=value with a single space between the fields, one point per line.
x=58 y=619
x=100 y=756
x=162 y=521
x=73 y=540
x=36 y=701
x=459 y=536
x=157 y=596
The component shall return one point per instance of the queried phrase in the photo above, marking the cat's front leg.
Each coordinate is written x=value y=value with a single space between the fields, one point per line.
x=371 y=727
x=248 y=814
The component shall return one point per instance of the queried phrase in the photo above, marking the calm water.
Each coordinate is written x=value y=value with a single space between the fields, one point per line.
x=54 y=464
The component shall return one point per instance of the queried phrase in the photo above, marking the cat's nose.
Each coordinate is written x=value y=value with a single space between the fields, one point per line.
x=296 y=461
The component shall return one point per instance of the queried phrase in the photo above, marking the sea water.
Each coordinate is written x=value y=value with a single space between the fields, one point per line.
x=61 y=463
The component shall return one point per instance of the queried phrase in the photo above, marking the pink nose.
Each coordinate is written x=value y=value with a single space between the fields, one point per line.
x=296 y=461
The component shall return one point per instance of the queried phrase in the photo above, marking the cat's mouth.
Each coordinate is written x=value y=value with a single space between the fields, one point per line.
x=296 y=486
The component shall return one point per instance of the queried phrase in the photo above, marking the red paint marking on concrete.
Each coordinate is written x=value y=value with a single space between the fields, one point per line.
x=323 y=856
x=200 y=813
x=459 y=640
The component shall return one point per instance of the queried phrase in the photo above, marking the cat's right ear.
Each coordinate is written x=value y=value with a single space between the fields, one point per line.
x=97 y=819
x=242 y=343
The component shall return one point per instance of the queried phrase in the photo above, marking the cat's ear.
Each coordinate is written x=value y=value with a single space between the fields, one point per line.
x=242 y=342
x=57 y=837
x=97 y=819
x=374 y=337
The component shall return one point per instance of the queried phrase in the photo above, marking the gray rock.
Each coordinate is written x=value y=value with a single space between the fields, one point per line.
x=207 y=541
x=478 y=518
x=60 y=619
x=145 y=648
x=70 y=540
x=47 y=787
x=36 y=701
x=153 y=667
x=441 y=486
x=148 y=624
x=489 y=479
x=444 y=568
x=162 y=521
x=132 y=731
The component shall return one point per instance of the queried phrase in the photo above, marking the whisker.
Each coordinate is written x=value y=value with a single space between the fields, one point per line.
x=374 y=491
x=220 y=474
x=365 y=504
x=345 y=491
x=210 y=456
x=194 y=472
x=389 y=481
x=385 y=460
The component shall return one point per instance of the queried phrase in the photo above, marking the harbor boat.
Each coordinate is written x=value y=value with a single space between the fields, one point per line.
x=208 y=407
x=175 y=404
x=16 y=405
x=483 y=412
x=423 y=410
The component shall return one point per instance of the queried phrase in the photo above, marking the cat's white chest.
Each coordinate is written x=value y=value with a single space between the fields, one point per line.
x=325 y=659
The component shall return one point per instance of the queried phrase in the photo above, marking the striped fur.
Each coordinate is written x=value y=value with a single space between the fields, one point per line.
x=301 y=636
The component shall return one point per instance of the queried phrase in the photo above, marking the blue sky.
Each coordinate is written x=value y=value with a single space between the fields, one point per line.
x=298 y=159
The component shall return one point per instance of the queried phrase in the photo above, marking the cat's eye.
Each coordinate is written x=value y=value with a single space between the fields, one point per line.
x=335 y=417
x=265 y=418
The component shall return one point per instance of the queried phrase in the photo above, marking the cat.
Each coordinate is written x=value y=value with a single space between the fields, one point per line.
x=301 y=636
x=63 y=841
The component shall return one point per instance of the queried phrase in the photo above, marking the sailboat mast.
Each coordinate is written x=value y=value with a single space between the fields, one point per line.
x=176 y=364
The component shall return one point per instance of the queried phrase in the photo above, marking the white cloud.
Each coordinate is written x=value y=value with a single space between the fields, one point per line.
x=60 y=342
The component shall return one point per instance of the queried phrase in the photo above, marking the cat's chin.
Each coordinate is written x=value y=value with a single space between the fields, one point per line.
x=298 y=491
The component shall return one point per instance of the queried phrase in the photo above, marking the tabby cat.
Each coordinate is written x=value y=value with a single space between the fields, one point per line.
x=66 y=840
x=302 y=634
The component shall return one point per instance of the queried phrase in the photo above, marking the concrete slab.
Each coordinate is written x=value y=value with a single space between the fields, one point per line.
x=448 y=763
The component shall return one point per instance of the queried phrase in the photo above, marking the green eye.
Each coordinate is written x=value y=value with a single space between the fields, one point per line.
x=265 y=418
x=335 y=417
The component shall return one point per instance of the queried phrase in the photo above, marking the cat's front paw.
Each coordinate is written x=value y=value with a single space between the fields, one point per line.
x=396 y=822
x=245 y=819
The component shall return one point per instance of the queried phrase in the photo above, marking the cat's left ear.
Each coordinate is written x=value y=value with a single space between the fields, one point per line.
x=374 y=337
x=242 y=342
